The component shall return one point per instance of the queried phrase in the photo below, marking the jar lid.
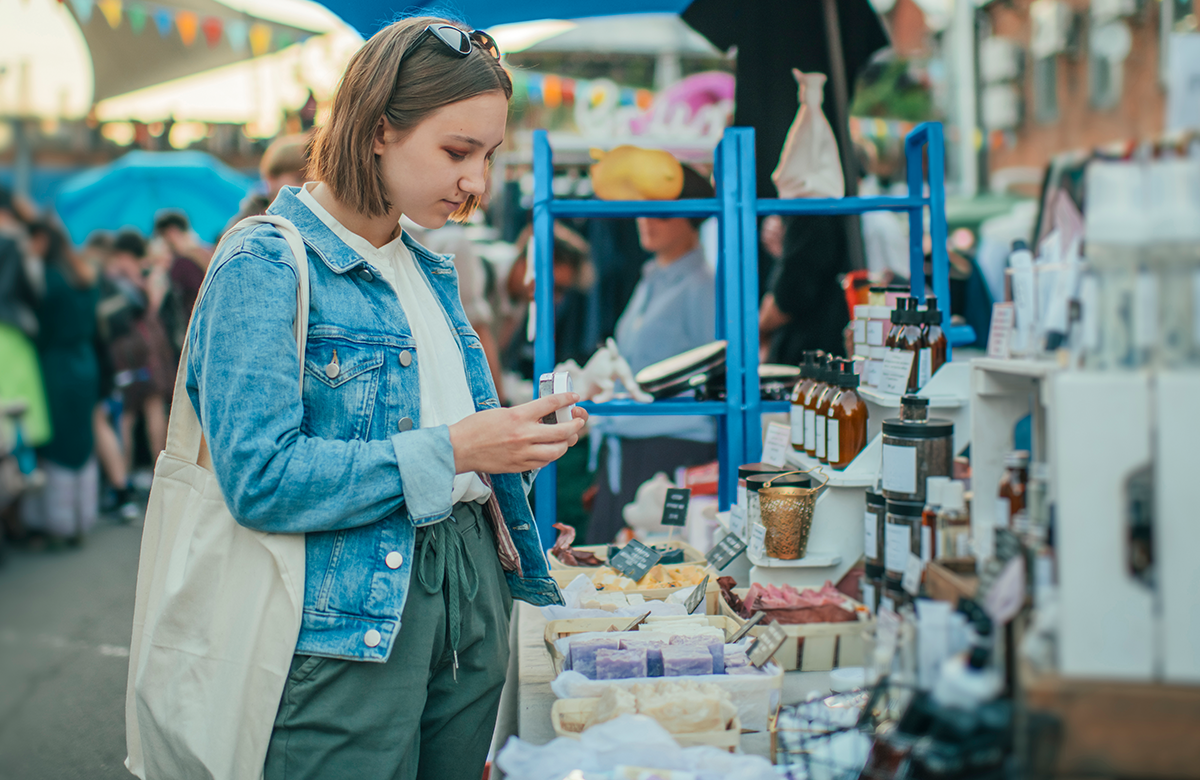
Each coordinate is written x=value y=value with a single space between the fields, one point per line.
x=918 y=429
x=751 y=469
x=875 y=499
x=914 y=400
x=756 y=481
x=905 y=508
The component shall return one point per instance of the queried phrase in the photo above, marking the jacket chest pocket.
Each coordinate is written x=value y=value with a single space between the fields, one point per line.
x=341 y=386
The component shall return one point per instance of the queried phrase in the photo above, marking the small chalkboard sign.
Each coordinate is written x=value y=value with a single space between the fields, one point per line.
x=634 y=560
x=636 y=622
x=725 y=552
x=676 y=506
x=754 y=620
x=765 y=646
x=696 y=597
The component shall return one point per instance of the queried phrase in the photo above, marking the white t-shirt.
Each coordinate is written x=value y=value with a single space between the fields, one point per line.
x=445 y=393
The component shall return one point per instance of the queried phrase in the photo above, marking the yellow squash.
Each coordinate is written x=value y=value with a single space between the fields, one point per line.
x=633 y=173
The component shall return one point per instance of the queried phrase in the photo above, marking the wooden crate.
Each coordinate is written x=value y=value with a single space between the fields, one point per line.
x=690 y=556
x=816 y=647
x=712 y=593
x=569 y=715
x=951 y=579
x=557 y=629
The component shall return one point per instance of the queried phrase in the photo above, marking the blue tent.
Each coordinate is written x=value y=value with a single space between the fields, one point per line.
x=132 y=190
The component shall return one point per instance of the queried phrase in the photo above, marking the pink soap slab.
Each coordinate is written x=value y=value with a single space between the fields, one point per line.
x=681 y=660
x=620 y=664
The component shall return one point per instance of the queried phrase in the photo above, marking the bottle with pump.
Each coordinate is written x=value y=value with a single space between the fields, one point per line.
x=797 y=400
x=935 y=338
x=821 y=410
x=820 y=369
x=894 y=332
x=911 y=339
x=846 y=426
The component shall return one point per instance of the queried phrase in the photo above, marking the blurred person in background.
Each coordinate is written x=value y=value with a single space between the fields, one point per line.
x=65 y=508
x=673 y=309
x=142 y=357
x=184 y=261
x=283 y=164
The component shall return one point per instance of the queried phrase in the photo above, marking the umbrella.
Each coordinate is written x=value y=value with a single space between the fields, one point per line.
x=132 y=190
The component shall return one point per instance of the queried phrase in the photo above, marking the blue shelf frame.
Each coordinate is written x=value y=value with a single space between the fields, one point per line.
x=737 y=210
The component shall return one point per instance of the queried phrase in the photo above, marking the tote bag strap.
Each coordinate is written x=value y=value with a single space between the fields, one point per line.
x=184 y=435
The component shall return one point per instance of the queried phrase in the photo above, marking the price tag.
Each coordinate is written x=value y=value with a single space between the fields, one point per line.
x=676 y=506
x=634 y=560
x=999 y=343
x=911 y=581
x=870 y=536
x=758 y=541
x=725 y=551
x=737 y=518
x=777 y=444
x=696 y=597
x=754 y=620
x=766 y=645
x=896 y=368
x=637 y=621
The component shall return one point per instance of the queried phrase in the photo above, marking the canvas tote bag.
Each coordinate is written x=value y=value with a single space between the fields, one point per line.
x=809 y=166
x=217 y=610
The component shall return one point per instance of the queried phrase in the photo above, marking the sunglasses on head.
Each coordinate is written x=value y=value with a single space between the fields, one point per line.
x=460 y=41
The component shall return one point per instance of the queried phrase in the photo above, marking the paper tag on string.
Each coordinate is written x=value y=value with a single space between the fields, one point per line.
x=777 y=444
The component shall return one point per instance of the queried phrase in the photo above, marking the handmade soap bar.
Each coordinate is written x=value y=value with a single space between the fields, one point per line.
x=714 y=644
x=735 y=656
x=583 y=653
x=620 y=664
x=680 y=660
x=653 y=648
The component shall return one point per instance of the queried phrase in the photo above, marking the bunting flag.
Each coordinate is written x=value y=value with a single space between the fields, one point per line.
x=211 y=26
x=237 y=32
x=136 y=14
x=164 y=21
x=260 y=39
x=186 y=22
x=83 y=9
x=112 y=12
x=551 y=91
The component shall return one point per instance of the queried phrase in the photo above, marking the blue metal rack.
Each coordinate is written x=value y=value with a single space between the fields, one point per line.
x=737 y=211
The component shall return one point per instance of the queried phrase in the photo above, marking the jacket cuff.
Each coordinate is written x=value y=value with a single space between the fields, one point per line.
x=426 y=463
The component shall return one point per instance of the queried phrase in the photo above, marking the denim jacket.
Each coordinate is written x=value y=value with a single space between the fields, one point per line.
x=351 y=467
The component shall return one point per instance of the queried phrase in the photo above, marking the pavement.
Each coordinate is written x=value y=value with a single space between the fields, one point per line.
x=65 y=622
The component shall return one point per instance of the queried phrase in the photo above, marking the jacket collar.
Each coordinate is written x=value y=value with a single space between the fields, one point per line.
x=332 y=250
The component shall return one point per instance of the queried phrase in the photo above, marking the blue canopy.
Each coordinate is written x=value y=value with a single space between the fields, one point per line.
x=132 y=190
x=368 y=16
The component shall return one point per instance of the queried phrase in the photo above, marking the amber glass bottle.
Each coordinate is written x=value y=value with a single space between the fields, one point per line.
x=1011 y=500
x=894 y=332
x=798 y=392
x=821 y=410
x=911 y=339
x=820 y=369
x=846 y=426
x=935 y=337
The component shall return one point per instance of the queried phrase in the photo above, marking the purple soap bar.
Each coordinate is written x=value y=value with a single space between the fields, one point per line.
x=680 y=660
x=735 y=657
x=620 y=664
x=583 y=653
x=714 y=644
x=653 y=648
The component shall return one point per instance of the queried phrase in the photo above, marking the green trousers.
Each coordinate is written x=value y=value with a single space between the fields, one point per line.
x=415 y=717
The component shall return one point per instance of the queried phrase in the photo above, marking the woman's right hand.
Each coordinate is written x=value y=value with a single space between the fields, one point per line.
x=512 y=440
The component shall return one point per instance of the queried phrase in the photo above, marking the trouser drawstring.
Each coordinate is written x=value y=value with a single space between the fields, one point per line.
x=443 y=558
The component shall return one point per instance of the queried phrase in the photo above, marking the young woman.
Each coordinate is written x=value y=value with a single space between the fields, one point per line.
x=399 y=443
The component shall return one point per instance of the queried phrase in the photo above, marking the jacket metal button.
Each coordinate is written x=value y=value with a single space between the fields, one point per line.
x=393 y=560
x=406 y=424
x=405 y=358
x=332 y=370
x=366 y=275
x=372 y=638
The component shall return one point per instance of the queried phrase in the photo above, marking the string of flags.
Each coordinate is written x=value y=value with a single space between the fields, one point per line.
x=552 y=91
x=873 y=127
x=242 y=34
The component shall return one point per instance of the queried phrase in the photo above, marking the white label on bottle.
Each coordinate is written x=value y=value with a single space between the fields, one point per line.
x=899 y=469
x=874 y=372
x=896 y=368
x=897 y=546
x=924 y=366
x=753 y=511
x=1196 y=306
x=1145 y=305
x=875 y=333
x=797 y=421
x=737 y=520
x=911 y=581
x=819 y=422
x=810 y=429
x=870 y=536
x=833 y=442
x=860 y=331
x=758 y=541
x=1003 y=510
x=868 y=594
x=776 y=446
x=926 y=543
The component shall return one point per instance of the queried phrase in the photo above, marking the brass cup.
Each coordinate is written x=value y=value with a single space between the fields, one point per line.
x=787 y=515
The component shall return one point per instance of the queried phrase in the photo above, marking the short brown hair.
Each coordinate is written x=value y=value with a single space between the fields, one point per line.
x=286 y=154
x=377 y=84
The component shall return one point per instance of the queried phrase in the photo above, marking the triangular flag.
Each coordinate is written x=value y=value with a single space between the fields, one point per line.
x=187 y=23
x=112 y=12
x=284 y=39
x=260 y=38
x=136 y=14
x=83 y=9
x=164 y=20
x=236 y=31
x=212 y=30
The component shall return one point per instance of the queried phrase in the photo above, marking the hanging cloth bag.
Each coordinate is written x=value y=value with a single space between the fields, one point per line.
x=218 y=606
x=809 y=166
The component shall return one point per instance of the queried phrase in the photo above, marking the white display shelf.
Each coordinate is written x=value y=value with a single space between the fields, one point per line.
x=949 y=394
x=863 y=471
x=1034 y=369
x=814 y=560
